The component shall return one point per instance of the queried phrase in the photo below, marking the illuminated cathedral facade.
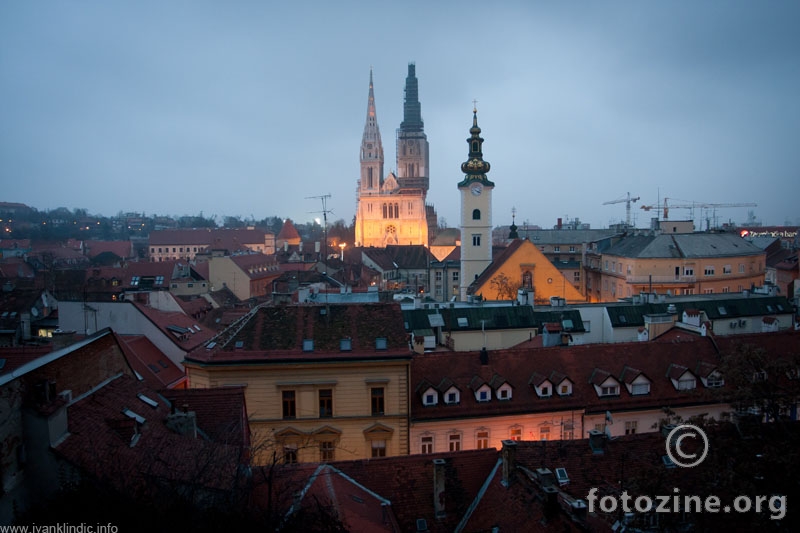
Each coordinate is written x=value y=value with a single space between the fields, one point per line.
x=391 y=209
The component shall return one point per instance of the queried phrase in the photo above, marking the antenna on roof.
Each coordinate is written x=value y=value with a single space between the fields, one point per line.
x=325 y=211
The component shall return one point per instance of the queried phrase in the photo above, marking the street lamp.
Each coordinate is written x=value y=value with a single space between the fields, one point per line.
x=342 y=245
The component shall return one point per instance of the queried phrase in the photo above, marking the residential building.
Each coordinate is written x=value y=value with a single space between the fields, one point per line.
x=322 y=382
x=694 y=263
x=400 y=267
x=173 y=244
x=521 y=266
x=392 y=209
x=562 y=393
x=249 y=275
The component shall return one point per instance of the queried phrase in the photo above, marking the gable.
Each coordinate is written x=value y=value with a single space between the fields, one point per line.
x=520 y=260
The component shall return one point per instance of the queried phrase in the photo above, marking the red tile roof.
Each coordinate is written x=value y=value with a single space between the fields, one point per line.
x=277 y=333
x=150 y=362
x=586 y=366
x=221 y=412
x=122 y=249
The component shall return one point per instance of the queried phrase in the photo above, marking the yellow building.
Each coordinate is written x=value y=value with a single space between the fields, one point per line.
x=522 y=266
x=694 y=263
x=322 y=383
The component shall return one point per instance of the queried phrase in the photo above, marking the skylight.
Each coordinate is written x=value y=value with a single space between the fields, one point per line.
x=463 y=322
x=149 y=401
x=139 y=418
x=308 y=345
x=380 y=343
x=722 y=310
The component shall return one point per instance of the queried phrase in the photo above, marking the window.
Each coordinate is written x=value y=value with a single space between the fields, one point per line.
x=516 y=433
x=476 y=214
x=426 y=444
x=454 y=440
x=378 y=448
x=326 y=451
x=159 y=280
x=429 y=398
x=715 y=380
x=640 y=388
x=134 y=281
x=726 y=289
x=476 y=239
x=630 y=427
x=483 y=396
x=609 y=390
x=325 y=403
x=687 y=383
x=709 y=271
x=289 y=455
x=741 y=268
x=606 y=265
x=455 y=276
x=688 y=271
x=452 y=397
x=688 y=291
x=571 y=248
x=377 y=401
x=556 y=248
x=438 y=276
x=289 y=405
x=503 y=394
x=726 y=269
x=564 y=390
x=482 y=439
x=544 y=433
x=708 y=291
x=545 y=391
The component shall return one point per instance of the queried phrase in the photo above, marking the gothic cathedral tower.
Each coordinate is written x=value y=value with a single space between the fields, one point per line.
x=476 y=211
x=392 y=210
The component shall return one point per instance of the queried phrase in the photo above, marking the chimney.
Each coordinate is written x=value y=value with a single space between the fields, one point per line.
x=559 y=225
x=439 y=487
x=183 y=423
x=509 y=454
x=484 y=356
x=25 y=324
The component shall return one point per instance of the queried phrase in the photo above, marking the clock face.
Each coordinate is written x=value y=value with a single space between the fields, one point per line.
x=476 y=189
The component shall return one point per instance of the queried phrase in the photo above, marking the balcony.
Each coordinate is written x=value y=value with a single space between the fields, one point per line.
x=661 y=279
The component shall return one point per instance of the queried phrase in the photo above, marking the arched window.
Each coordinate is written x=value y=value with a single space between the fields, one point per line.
x=396 y=210
x=476 y=214
x=385 y=215
x=527 y=280
x=369 y=177
x=474 y=146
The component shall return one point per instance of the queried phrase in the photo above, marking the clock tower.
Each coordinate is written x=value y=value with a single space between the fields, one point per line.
x=476 y=211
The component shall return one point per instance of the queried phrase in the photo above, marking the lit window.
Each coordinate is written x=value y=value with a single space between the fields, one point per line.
x=516 y=433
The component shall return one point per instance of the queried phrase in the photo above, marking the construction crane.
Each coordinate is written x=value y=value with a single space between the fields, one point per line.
x=627 y=201
x=693 y=205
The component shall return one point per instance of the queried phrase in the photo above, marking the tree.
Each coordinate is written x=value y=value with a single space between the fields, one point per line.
x=504 y=287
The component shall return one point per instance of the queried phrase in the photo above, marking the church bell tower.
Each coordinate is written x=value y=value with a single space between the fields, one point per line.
x=476 y=211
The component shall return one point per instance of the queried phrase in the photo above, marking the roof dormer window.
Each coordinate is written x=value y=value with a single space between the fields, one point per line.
x=484 y=394
x=504 y=392
x=430 y=397
x=452 y=396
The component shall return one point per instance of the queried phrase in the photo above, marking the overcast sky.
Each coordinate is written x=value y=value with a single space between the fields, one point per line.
x=246 y=108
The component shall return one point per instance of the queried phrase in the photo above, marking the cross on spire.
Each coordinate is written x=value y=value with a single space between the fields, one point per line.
x=474 y=106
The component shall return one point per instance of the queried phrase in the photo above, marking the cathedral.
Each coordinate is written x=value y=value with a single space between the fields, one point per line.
x=392 y=209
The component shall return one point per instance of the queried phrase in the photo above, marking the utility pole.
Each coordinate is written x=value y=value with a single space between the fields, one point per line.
x=325 y=211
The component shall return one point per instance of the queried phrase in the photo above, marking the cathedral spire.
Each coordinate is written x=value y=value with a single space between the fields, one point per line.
x=412 y=110
x=371 y=145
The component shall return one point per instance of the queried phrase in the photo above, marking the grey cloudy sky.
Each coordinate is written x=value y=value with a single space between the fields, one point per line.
x=247 y=108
